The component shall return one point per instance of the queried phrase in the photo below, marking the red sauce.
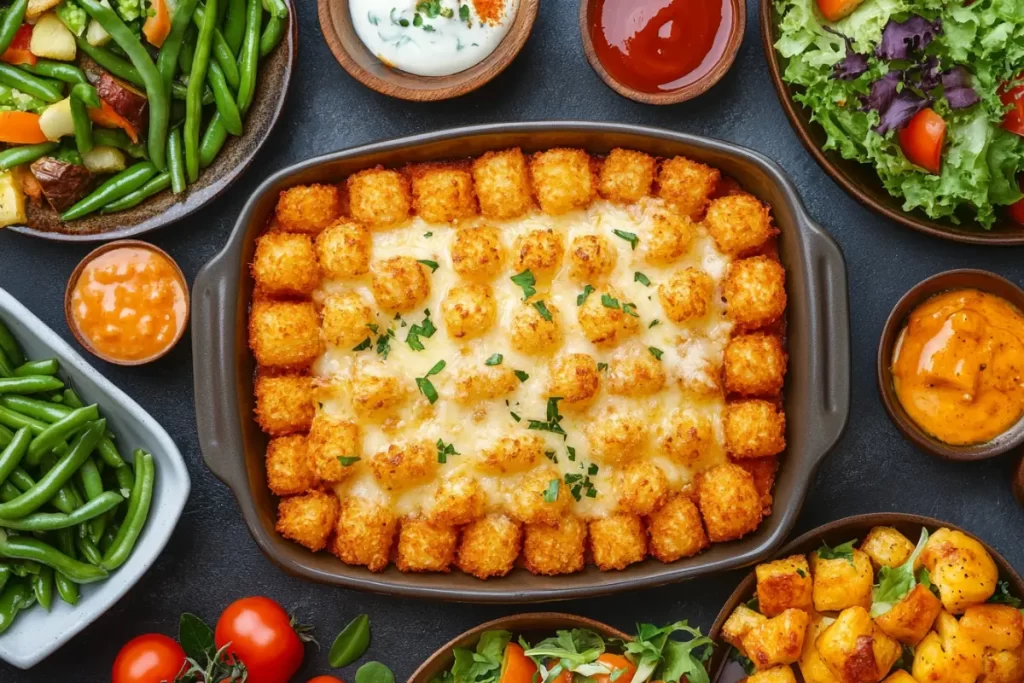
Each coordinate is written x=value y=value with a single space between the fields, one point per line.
x=659 y=45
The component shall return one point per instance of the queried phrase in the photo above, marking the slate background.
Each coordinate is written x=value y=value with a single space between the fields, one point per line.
x=211 y=559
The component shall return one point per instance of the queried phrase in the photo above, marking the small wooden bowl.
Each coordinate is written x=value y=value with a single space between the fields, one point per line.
x=363 y=65
x=738 y=22
x=943 y=282
x=73 y=280
x=535 y=624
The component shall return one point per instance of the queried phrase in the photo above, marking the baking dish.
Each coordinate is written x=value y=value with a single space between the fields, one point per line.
x=817 y=387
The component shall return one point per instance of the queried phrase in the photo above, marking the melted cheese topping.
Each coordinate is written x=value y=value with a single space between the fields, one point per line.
x=691 y=357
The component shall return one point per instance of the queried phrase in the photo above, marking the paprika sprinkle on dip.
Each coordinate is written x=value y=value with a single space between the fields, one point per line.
x=659 y=45
x=128 y=304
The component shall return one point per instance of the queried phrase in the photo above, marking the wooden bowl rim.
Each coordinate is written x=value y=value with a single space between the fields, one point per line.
x=443 y=87
x=77 y=273
x=682 y=93
x=950 y=280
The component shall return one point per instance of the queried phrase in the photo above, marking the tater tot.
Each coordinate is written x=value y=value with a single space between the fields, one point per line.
x=642 y=487
x=687 y=185
x=289 y=470
x=485 y=383
x=669 y=239
x=404 y=465
x=563 y=180
x=739 y=223
x=425 y=546
x=489 y=546
x=379 y=197
x=502 y=184
x=754 y=429
x=754 y=365
x=538 y=497
x=533 y=333
x=478 y=252
x=729 y=502
x=400 y=283
x=763 y=470
x=284 y=334
x=616 y=435
x=626 y=176
x=591 y=258
x=686 y=295
x=676 y=530
x=688 y=437
x=308 y=519
x=617 y=541
x=345 y=320
x=540 y=252
x=308 y=208
x=469 y=310
x=333 y=444
x=343 y=250
x=442 y=194
x=512 y=453
x=285 y=264
x=573 y=377
x=555 y=549
x=607 y=317
x=364 y=533
x=634 y=371
x=755 y=292
x=284 y=403
x=373 y=393
x=457 y=500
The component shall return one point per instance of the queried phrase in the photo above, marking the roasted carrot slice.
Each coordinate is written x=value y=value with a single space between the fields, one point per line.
x=158 y=24
x=106 y=117
x=20 y=128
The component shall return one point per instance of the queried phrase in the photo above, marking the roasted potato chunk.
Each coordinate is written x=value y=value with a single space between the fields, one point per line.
x=754 y=428
x=1000 y=627
x=776 y=674
x=855 y=650
x=948 y=654
x=742 y=621
x=911 y=618
x=285 y=264
x=840 y=583
x=739 y=223
x=477 y=252
x=607 y=317
x=812 y=666
x=334 y=447
x=289 y=470
x=345 y=320
x=886 y=547
x=284 y=403
x=590 y=258
x=535 y=333
x=779 y=640
x=284 y=334
x=642 y=488
x=469 y=310
x=343 y=250
x=308 y=208
x=783 y=584
x=540 y=252
x=404 y=465
x=755 y=292
x=962 y=569
x=754 y=365
x=574 y=378
x=457 y=500
x=686 y=295
x=400 y=283
x=670 y=237
x=538 y=497
x=1003 y=666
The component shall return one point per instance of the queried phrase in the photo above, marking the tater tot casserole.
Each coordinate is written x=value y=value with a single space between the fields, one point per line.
x=545 y=361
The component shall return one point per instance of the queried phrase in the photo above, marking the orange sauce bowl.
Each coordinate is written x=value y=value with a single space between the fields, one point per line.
x=127 y=303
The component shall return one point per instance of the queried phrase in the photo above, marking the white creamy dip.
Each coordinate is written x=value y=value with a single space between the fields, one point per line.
x=429 y=37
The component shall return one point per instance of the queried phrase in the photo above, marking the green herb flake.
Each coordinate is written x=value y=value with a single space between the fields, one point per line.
x=654 y=323
x=551 y=492
x=426 y=234
x=572 y=453
x=525 y=281
x=582 y=298
x=628 y=236
x=601 y=367
x=363 y=345
x=630 y=309
x=384 y=345
x=608 y=301
x=464 y=14
x=433 y=265
x=521 y=375
x=444 y=450
x=593 y=469
x=427 y=388
x=801 y=573
x=543 y=310
x=642 y=279
x=655 y=351
x=515 y=417
x=348 y=460
x=494 y=360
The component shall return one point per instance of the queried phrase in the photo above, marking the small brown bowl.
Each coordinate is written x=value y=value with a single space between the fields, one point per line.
x=737 y=23
x=533 y=625
x=365 y=67
x=936 y=284
x=77 y=273
x=724 y=670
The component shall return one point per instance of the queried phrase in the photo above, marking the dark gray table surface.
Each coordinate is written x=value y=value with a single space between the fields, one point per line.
x=211 y=559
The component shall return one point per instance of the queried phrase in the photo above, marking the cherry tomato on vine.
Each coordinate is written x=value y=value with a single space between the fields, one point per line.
x=262 y=637
x=149 y=658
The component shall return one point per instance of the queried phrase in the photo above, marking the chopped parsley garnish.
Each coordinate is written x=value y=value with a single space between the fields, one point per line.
x=642 y=279
x=424 y=329
x=428 y=28
x=654 y=323
x=630 y=309
x=363 y=345
x=427 y=234
x=551 y=492
x=655 y=351
x=373 y=328
x=515 y=417
x=494 y=360
x=403 y=22
x=628 y=236
x=526 y=281
x=580 y=484
x=601 y=367
x=384 y=344
x=550 y=455
x=543 y=310
x=609 y=301
x=521 y=375
x=553 y=421
x=432 y=8
x=348 y=460
x=424 y=384
x=801 y=573
x=572 y=453
x=444 y=450
x=843 y=551
x=464 y=14
x=593 y=469
x=582 y=298
x=429 y=264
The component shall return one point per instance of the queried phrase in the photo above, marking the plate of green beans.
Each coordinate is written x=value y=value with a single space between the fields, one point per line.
x=90 y=489
x=120 y=117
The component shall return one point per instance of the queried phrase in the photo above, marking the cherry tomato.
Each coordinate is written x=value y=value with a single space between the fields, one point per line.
x=615 y=663
x=261 y=637
x=1014 y=120
x=834 y=10
x=516 y=667
x=922 y=139
x=150 y=658
x=325 y=679
x=564 y=677
x=1017 y=210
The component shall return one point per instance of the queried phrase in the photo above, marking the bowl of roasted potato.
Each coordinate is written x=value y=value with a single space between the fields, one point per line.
x=893 y=597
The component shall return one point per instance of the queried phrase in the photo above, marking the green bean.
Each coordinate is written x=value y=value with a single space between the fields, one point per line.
x=188 y=50
x=15 y=420
x=5 y=574
x=71 y=399
x=180 y=93
x=45 y=554
x=219 y=47
x=59 y=431
x=176 y=162
x=115 y=64
x=125 y=478
x=196 y=81
x=11 y=22
x=52 y=521
x=234 y=24
x=87 y=94
x=66 y=588
x=167 y=60
x=6 y=436
x=92 y=485
x=27 y=83
x=67 y=497
x=277 y=8
x=61 y=71
x=42 y=584
x=110 y=137
x=25 y=568
x=158 y=183
x=213 y=141
x=9 y=345
x=6 y=367
x=16 y=596
x=250 y=57
x=44 y=411
x=37 y=367
x=82 y=125
x=24 y=483
x=156 y=92
x=11 y=456
x=8 y=492
x=32 y=384
x=123 y=183
x=272 y=35
x=26 y=154
x=89 y=550
x=138 y=510
x=225 y=100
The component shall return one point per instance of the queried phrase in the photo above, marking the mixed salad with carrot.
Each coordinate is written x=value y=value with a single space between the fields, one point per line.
x=105 y=103
x=929 y=92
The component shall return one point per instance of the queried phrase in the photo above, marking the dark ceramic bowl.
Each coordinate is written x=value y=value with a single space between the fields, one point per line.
x=860 y=180
x=817 y=392
x=275 y=73
x=724 y=670
x=936 y=284
x=534 y=626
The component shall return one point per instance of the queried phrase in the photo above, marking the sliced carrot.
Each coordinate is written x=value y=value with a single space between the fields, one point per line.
x=106 y=117
x=20 y=128
x=516 y=666
x=615 y=663
x=158 y=24
x=18 y=52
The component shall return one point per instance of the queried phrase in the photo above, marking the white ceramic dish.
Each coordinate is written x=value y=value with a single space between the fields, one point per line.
x=36 y=634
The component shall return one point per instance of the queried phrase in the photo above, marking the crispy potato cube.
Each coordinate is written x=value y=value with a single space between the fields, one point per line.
x=534 y=333
x=538 y=497
x=425 y=546
x=688 y=438
x=1003 y=666
x=289 y=470
x=555 y=549
x=308 y=208
x=754 y=428
x=840 y=583
x=686 y=295
x=469 y=310
x=285 y=264
x=670 y=237
x=308 y=519
x=442 y=194
x=676 y=530
x=812 y=666
x=780 y=640
x=345 y=320
x=364 y=534
x=574 y=378
x=997 y=626
x=755 y=292
x=763 y=470
x=617 y=541
x=754 y=365
x=886 y=547
x=742 y=621
x=687 y=185
x=344 y=249
x=729 y=502
x=967 y=653
x=374 y=393
x=739 y=223
x=284 y=334
x=284 y=403
x=776 y=674
x=485 y=383
x=607 y=317
x=634 y=371
x=899 y=676
x=513 y=453
x=948 y=654
x=404 y=465
x=332 y=444
x=489 y=546
x=962 y=569
x=626 y=176
x=783 y=584
x=563 y=180
x=616 y=436
x=457 y=500
x=379 y=197
x=502 y=184
x=477 y=252
x=643 y=487
x=855 y=650
x=911 y=618
x=400 y=284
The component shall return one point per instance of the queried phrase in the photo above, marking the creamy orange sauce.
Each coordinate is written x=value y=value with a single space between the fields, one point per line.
x=957 y=366
x=129 y=303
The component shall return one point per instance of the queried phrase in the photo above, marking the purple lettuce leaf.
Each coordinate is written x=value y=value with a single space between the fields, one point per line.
x=895 y=106
x=900 y=39
x=956 y=86
x=851 y=65
x=928 y=74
